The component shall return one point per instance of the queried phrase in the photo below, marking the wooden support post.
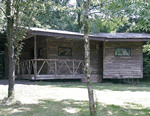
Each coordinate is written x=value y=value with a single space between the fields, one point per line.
x=55 y=69
x=47 y=49
x=35 y=59
x=103 y=57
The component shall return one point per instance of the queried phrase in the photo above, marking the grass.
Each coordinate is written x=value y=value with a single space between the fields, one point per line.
x=71 y=99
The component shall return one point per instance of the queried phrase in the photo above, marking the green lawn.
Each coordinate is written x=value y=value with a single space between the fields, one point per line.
x=71 y=99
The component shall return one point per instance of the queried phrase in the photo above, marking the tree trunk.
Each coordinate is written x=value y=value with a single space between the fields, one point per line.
x=87 y=58
x=9 y=33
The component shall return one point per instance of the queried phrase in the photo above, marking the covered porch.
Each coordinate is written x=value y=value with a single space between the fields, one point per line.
x=56 y=56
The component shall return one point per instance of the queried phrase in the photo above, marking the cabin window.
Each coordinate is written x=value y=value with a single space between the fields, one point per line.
x=40 y=52
x=63 y=51
x=31 y=53
x=122 y=52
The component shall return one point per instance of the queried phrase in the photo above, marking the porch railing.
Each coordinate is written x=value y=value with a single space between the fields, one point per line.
x=52 y=67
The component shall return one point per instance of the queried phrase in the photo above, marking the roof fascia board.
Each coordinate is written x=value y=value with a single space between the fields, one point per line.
x=80 y=36
x=120 y=39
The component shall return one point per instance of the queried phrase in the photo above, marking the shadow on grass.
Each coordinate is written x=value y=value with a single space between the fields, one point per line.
x=143 y=86
x=24 y=82
x=69 y=107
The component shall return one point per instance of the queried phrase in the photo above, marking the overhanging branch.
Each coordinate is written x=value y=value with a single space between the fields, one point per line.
x=3 y=10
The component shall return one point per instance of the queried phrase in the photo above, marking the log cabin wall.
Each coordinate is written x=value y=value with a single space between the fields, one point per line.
x=77 y=49
x=41 y=47
x=27 y=51
x=28 y=48
x=96 y=54
x=118 y=67
x=77 y=53
x=42 y=53
x=96 y=57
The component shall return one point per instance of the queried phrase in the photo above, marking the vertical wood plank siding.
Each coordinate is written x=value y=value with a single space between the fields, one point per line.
x=78 y=53
x=118 y=67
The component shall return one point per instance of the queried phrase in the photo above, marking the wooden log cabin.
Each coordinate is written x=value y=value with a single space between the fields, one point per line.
x=55 y=54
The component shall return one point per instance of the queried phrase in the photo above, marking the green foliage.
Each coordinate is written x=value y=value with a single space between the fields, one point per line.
x=146 y=60
x=146 y=67
x=23 y=15
x=146 y=48
x=122 y=16
x=58 y=14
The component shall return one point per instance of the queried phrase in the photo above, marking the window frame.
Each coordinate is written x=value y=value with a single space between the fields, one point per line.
x=122 y=53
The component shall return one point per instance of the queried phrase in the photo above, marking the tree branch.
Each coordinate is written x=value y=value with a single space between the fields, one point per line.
x=3 y=10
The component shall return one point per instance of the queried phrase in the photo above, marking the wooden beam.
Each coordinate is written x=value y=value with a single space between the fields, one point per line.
x=103 y=57
x=47 y=48
x=35 y=58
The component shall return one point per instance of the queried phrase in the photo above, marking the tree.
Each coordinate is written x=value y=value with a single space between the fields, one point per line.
x=87 y=57
x=9 y=34
x=17 y=16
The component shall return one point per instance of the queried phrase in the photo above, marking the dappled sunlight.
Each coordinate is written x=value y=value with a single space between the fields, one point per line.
x=71 y=110
x=19 y=110
x=3 y=91
x=120 y=97
x=33 y=93
x=72 y=98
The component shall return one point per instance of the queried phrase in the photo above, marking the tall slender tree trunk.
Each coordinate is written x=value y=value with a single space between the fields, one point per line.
x=9 y=33
x=87 y=58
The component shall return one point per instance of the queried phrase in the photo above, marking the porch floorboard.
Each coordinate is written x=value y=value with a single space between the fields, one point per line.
x=47 y=77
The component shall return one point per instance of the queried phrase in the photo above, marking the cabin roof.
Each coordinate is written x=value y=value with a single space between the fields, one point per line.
x=123 y=35
x=100 y=36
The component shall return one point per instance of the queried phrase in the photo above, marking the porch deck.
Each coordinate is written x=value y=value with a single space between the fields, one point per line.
x=42 y=69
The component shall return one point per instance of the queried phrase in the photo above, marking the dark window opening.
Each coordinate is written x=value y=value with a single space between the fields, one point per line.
x=64 y=51
x=40 y=52
x=122 y=52
x=31 y=53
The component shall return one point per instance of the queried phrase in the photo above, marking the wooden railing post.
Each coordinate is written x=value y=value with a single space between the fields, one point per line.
x=23 y=68
x=55 y=69
x=73 y=67
x=83 y=71
x=18 y=67
x=29 y=71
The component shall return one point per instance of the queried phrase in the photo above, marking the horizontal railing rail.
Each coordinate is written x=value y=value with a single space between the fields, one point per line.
x=52 y=67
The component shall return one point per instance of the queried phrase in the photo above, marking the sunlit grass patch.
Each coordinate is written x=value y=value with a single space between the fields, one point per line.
x=71 y=99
